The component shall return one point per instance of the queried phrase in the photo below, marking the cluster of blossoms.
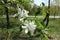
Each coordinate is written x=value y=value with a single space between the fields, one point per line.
x=28 y=25
x=22 y=14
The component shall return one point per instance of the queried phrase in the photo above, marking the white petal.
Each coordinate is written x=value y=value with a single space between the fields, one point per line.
x=32 y=32
x=26 y=22
x=21 y=19
x=15 y=15
x=19 y=10
x=34 y=26
x=33 y=22
x=26 y=30
x=24 y=27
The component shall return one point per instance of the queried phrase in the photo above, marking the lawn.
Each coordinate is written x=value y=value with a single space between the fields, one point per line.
x=53 y=27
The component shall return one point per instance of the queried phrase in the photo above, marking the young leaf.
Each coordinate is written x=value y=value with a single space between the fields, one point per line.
x=39 y=24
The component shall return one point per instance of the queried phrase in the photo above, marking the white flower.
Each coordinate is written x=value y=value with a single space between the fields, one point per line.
x=22 y=14
x=25 y=12
x=19 y=10
x=29 y=26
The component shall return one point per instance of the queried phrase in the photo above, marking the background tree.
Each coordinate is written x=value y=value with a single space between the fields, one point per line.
x=35 y=9
x=55 y=7
x=12 y=5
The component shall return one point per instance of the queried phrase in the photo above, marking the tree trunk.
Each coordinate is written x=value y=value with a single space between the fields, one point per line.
x=7 y=17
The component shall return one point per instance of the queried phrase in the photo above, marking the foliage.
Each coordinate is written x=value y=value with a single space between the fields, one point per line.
x=26 y=26
x=12 y=5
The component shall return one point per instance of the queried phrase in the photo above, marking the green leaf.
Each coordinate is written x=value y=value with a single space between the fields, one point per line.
x=46 y=37
x=43 y=14
x=39 y=24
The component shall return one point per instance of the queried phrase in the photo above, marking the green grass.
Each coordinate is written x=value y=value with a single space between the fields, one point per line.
x=54 y=28
x=13 y=22
x=14 y=28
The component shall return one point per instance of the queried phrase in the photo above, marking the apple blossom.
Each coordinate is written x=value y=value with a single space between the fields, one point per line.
x=29 y=26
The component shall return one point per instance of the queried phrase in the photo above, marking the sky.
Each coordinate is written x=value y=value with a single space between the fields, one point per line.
x=38 y=2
